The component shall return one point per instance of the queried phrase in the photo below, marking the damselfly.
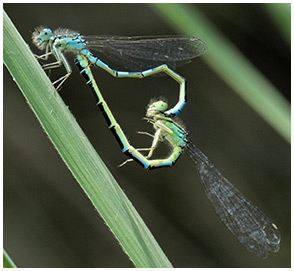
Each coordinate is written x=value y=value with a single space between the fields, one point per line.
x=146 y=55
x=246 y=222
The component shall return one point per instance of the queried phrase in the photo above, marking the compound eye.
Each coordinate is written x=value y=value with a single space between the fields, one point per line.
x=46 y=34
x=161 y=105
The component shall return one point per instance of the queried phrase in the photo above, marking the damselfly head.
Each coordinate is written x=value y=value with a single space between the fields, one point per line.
x=156 y=107
x=41 y=36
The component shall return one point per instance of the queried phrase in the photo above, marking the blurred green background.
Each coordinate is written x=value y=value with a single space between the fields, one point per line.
x=49 y=221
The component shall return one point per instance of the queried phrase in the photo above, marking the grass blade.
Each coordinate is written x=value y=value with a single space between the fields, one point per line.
x=227 y=61
x=281 y=16
x=78 y=154
x=7 y=262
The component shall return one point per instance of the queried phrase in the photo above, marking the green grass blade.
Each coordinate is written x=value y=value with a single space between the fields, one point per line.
x=78 y=154
x=228 y=62
x=281 y=16
x=7 y=262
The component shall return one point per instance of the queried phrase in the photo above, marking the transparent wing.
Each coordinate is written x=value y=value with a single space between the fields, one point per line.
x=141 y=53
x=246 y=222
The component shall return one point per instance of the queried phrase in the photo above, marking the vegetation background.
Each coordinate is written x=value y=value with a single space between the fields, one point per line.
x=48 y=220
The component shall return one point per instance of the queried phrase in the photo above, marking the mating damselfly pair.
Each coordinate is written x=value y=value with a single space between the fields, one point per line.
x=149 y=56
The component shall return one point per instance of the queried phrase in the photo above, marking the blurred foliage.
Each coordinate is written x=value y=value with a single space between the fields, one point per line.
x=228 y=62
